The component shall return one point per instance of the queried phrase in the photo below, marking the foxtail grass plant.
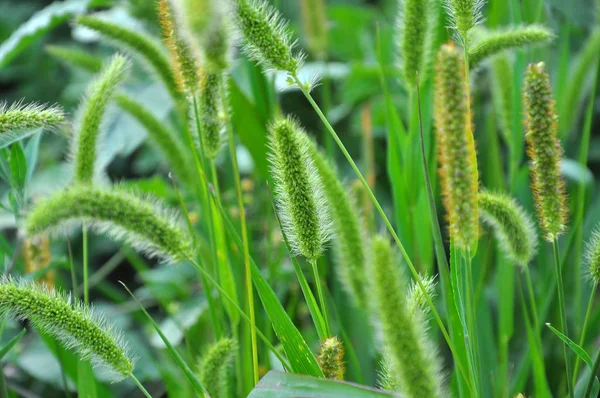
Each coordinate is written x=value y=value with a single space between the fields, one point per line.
x=545 y=152
x=300 y=196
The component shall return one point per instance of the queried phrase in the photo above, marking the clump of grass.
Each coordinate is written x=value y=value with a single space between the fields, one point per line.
x=265 y=35
x=85 y=141
x=545 y=151
x=71 y=323
x=140 y=222
x=410 y=355
x=513 y=227
x=214 y=368
x=456 y=147
x=331 y=358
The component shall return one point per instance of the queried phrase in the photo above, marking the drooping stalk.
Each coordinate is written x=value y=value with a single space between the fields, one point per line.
x=306 y=92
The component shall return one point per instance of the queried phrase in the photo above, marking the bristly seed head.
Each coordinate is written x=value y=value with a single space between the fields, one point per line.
x=513 y=227
x=331 y=358
x=186 y=67
x=456 y=147
x=211 y=118
x=71 y=323
x=265 y=36
x=544 y=151
x=19 y=116
x=122 y=215
x=413 y=19
x=300 y=198
x=84 y=144
x=592 y=256
x=214 y=368
x=464 y=15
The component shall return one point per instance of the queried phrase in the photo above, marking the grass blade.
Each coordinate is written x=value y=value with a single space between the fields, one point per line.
x=180 y=362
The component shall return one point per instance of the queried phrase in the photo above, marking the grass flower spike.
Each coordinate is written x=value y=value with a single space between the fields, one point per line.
x=403 y=336
x=300 y=197
x=20 y=120
x=494 y=42
x=186 y=66
x=211 y=125
x=544 y=151
x=214 y=368
x=412 y=25
x=464 y=15
x=513 y=227
x=314 y=22
x=122 y=215
x=331 y=358
x=73 y=324
x=91 y=111
x=348 y=240
x=265 y=36
x=592 y=257
x=456 y=147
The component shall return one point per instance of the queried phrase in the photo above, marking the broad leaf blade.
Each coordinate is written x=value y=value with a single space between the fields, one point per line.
x=282 y=385
x=40 y=23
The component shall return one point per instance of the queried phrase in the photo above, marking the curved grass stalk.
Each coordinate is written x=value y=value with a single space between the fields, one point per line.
x=305 y=90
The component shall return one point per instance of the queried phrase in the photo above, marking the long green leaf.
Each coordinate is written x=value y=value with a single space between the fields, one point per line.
x=39 y=24
x=8 y=346
x=301 y=358
x=180 y=362
x=281 y=385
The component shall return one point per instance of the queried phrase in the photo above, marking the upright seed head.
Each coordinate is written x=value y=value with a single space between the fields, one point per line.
x=456 y=147
x=71 y=323
x=403 y=333
x=464 y=15
x=544 y=151
x=186 y=67
x=314 y=22
x=592 y=256
x=331 y=358
x=214 y=367
x=412 y=25
x=265 y=35
x=512 y=225
x=124 y=216
x=211 y=114
x=37 y=256
x=502 y=93
x=84 y=144
x=300 y=198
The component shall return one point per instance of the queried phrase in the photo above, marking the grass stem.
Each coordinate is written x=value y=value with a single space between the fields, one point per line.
x=315 y=269
x=586 y=321
x=563 y=314
x=140 y=386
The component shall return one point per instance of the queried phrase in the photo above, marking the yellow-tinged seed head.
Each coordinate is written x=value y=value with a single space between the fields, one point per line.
x=456 y=147
x=545 y=151
x=331 y=358
x=182 y=56
x=37 y=256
